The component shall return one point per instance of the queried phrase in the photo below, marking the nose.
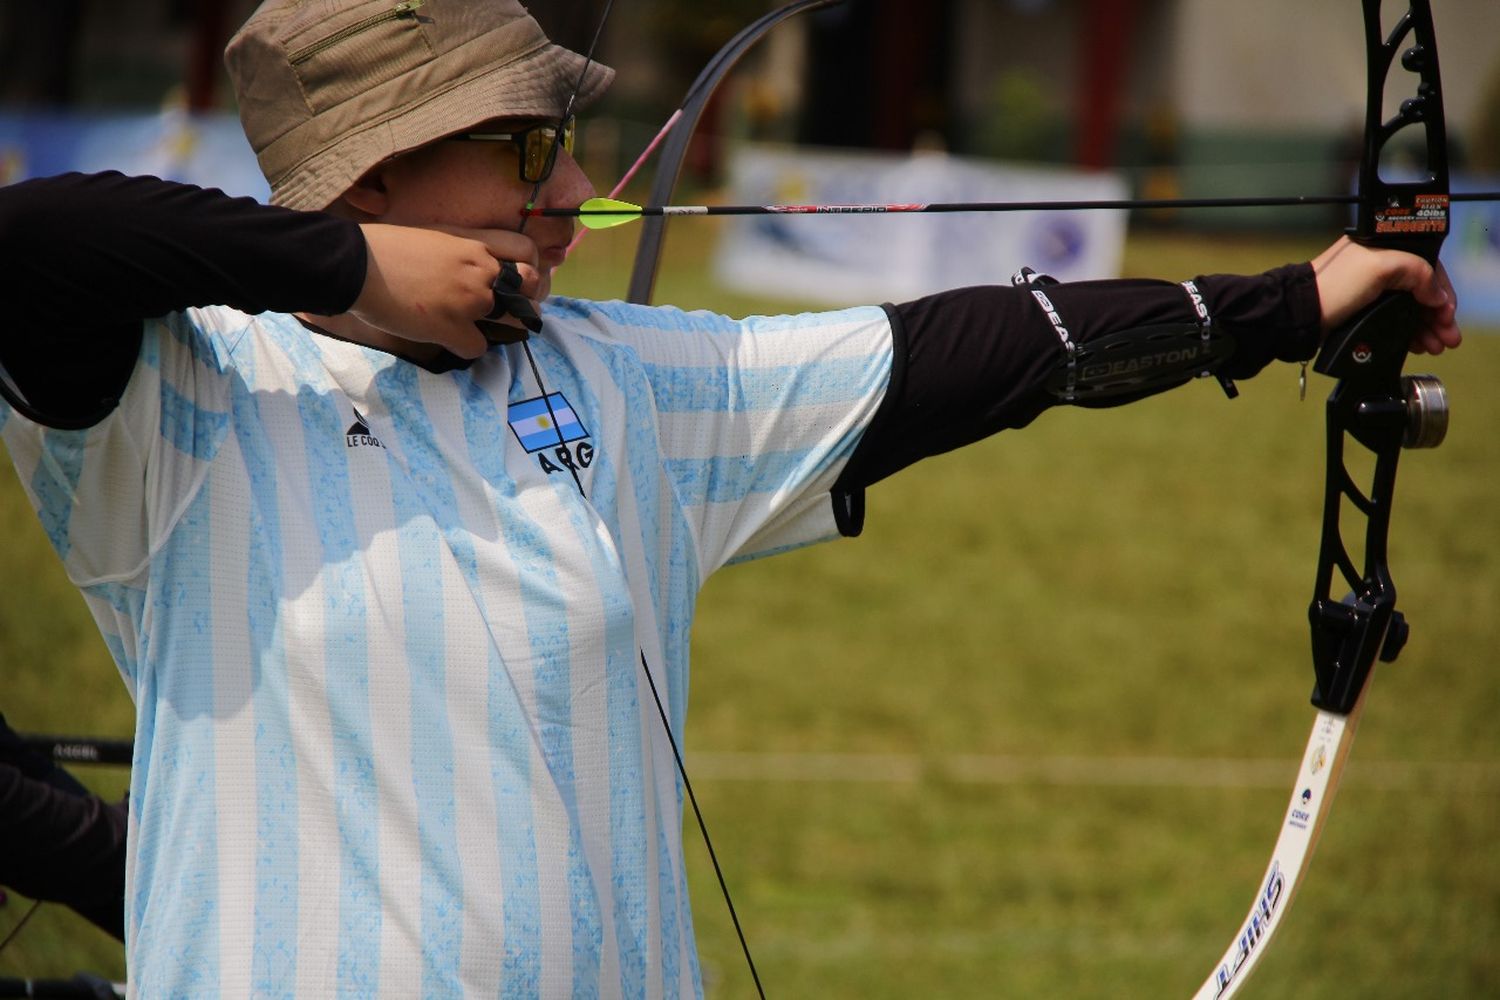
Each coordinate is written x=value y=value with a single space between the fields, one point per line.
x=568 y=187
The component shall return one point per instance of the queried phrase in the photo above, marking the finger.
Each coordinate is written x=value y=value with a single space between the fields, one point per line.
x=502 y=331
x=1437 y=336
x=1423 y=283
x=467 y=342
x=532 y=281
x=1448 y=337
x=523 y=280
x=1426 y=342
x=509 y=300
x=1440 y=276
x=502 y=244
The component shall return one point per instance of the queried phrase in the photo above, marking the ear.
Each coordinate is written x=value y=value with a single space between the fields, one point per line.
x=369 y=196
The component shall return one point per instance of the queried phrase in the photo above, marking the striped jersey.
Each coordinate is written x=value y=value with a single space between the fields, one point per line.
x=385 y=627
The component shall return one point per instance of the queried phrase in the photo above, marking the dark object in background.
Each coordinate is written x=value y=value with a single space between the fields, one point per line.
x=60 y=842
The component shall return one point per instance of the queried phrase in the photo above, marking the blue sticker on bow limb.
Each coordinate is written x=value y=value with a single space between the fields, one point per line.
x=536 y=428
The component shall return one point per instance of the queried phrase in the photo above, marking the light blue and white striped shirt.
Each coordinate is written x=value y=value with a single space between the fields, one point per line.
x=393 y=733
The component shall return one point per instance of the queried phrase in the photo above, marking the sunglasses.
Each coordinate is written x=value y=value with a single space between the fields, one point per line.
x=536 y=145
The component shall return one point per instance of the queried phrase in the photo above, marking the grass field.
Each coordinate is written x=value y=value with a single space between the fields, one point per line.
x=1032 y=735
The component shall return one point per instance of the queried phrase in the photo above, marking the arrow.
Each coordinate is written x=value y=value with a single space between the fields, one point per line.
x=606 y=213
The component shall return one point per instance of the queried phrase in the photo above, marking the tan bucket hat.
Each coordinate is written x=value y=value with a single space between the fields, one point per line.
x=329 y=88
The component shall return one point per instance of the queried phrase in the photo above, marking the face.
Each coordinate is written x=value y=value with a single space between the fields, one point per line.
x=477 y=185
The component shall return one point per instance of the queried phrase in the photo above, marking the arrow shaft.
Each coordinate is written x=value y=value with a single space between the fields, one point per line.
x=1287 y=201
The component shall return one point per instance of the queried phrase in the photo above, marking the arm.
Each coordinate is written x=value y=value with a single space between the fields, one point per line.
x=974 y=361
x=63 y=848
x=85 y=258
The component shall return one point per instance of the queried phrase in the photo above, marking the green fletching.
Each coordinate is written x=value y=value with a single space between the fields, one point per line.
x=606 y=213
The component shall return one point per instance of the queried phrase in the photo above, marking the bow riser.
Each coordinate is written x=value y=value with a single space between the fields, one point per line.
x=1373 y=403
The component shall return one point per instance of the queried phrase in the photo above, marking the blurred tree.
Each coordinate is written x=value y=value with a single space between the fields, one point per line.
x=572 y=23
x=1484 y=145
x=38 y=49
x=878 y=74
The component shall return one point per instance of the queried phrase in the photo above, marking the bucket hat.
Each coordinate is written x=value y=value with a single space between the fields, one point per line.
x=329 y=88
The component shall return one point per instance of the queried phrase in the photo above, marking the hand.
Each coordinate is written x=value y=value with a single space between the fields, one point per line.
x=432 y=286
x=1351 y=276
x=511 y=307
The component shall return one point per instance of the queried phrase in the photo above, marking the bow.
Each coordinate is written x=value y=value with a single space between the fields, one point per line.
x=1372 y=403
x=1382 y=411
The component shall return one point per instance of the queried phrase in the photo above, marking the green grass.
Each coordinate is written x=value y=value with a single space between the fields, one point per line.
x=1105 y=585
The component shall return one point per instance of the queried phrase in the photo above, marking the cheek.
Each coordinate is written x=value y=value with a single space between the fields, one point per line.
x=464 y=193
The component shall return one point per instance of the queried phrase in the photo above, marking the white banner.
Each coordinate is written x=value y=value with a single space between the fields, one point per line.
x=850 y=259
x=206 y=149
x=1472 y=252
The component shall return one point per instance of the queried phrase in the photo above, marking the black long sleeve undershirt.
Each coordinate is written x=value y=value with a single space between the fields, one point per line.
x=974 y=361
x=85 y=258
x=59 y=842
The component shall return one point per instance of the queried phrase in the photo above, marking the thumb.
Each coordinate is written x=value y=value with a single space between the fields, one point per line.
x=1422 y=280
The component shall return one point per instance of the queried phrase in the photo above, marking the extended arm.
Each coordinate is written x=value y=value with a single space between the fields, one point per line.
x=974 y=361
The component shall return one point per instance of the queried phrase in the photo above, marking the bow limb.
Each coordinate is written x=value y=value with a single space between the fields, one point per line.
x=648 y=250
x=1381 y=410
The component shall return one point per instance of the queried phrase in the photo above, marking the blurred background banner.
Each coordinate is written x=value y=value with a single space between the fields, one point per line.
x=1472 y=251
x=843 y=259
x=205 y=148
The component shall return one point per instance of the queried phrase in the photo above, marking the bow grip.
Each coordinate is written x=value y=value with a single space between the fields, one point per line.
x=1368 y=404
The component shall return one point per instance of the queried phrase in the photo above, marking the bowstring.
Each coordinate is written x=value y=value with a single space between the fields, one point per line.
x=536 y=187
x=20 y=924
x=562 y=441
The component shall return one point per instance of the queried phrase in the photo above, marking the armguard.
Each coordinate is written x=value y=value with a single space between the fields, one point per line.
x=1134 y=362
x=1140 y=360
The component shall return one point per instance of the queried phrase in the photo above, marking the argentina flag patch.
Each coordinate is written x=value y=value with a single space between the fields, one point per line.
x=535 y=428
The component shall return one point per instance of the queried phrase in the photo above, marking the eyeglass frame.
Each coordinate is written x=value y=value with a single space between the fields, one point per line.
x=563 y=138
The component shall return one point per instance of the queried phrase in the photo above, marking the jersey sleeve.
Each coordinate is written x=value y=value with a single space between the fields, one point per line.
x=108 y=495
x=757 y=416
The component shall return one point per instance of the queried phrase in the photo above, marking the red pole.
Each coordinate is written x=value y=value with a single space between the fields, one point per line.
x=1106 y=32
x=205 y=53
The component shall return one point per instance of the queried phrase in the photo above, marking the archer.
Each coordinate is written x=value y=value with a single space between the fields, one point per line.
x=397 y=682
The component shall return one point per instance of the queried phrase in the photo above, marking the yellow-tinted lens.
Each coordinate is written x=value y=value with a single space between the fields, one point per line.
x=541 y=149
